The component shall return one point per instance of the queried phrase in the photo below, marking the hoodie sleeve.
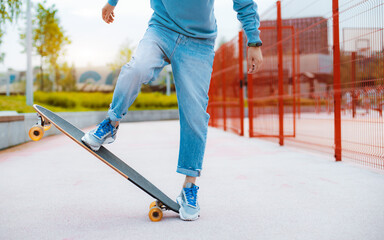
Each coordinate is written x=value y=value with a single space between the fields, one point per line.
x=249 y=18
x=113 y=2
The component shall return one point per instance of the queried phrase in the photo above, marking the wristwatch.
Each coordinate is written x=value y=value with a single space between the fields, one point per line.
x=258 y=44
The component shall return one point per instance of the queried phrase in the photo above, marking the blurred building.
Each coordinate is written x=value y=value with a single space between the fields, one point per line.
x=12 y=81
x=103 y=79
x=93 y=79
x=88 y=79
x=312 y=34
x=310 y=53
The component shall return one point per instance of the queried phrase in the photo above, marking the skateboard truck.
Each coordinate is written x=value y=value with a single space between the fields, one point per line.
x=36 y=132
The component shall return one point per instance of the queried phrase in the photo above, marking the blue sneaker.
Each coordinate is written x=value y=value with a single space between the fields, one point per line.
x=189 y=207
x=104 y=133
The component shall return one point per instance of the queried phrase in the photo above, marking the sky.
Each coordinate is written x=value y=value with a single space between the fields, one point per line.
x=95 y=43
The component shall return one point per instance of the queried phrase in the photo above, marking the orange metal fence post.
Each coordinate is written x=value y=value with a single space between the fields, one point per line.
x=294 y=80
x=336 y=78
x=223 y=86
x=250 y=104
x=298 y=76
x=241 y=78
x=212 y=97
x=353 y=76
x=281 y=73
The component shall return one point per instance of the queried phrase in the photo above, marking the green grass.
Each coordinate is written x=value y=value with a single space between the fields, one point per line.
x=81 y=101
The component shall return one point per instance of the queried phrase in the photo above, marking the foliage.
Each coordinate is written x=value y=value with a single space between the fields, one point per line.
x=375 y=68
x=66 y=79
x=345 y=70
x=124 y=56
x=369 y=70
x=44 y=83
x=14 y=103
x=155 y=101
x=48 y=39
x=82 y=101
x=96 y=100
x=55 y=99
x=9 y=12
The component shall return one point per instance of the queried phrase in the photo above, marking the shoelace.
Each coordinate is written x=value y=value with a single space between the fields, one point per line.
x=104 y=127
x=191 y=195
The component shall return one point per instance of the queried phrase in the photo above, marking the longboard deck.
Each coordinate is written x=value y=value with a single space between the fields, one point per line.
x=108 y=158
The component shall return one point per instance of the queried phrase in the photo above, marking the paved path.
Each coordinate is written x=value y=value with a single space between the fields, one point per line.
x=250 y=189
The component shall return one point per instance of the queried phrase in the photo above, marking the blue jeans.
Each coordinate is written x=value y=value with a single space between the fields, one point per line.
x=191 y=60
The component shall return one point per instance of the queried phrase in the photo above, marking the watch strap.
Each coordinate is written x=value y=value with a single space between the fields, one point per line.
x=258 y=44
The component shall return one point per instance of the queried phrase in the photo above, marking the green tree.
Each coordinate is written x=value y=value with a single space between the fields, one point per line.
x=9 y=12
x=44 y=84
x=123 y=56
x=49 y=39
x=67 y=79
x=377 y=66
x=369 y=70
x=345 y=70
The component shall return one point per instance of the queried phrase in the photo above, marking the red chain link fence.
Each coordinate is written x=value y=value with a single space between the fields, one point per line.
x=226 y=98
x=321 y=85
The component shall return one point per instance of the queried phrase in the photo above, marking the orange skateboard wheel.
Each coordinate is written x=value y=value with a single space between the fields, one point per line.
x=152 y=204
x=36 y=132
x=155 y=214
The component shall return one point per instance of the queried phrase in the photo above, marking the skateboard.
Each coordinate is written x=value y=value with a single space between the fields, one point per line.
x=45 y=120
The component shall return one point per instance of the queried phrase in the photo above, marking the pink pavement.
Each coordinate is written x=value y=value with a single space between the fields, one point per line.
x=249 y=189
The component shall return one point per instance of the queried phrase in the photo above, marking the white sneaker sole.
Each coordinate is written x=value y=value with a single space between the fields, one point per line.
x=95 y=146
x=188 y=219
x=88 y=142
x=182 y=217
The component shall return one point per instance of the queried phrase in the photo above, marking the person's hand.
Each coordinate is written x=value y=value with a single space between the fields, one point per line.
x=107 y=13
x=255 y=59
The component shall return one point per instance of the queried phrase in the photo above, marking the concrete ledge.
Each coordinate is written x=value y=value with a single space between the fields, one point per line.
x=11 y=118
x=151 y=115
x=14 y=129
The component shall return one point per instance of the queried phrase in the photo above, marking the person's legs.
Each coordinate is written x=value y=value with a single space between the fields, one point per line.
x=149 y=59
x=192 y=67
x=145 y=66
x=189 y=179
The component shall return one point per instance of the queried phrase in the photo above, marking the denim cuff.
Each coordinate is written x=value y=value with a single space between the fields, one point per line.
x=113 y=116
x=189 y=172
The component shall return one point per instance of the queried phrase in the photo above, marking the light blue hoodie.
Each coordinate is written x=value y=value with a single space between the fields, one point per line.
x=195 y=18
